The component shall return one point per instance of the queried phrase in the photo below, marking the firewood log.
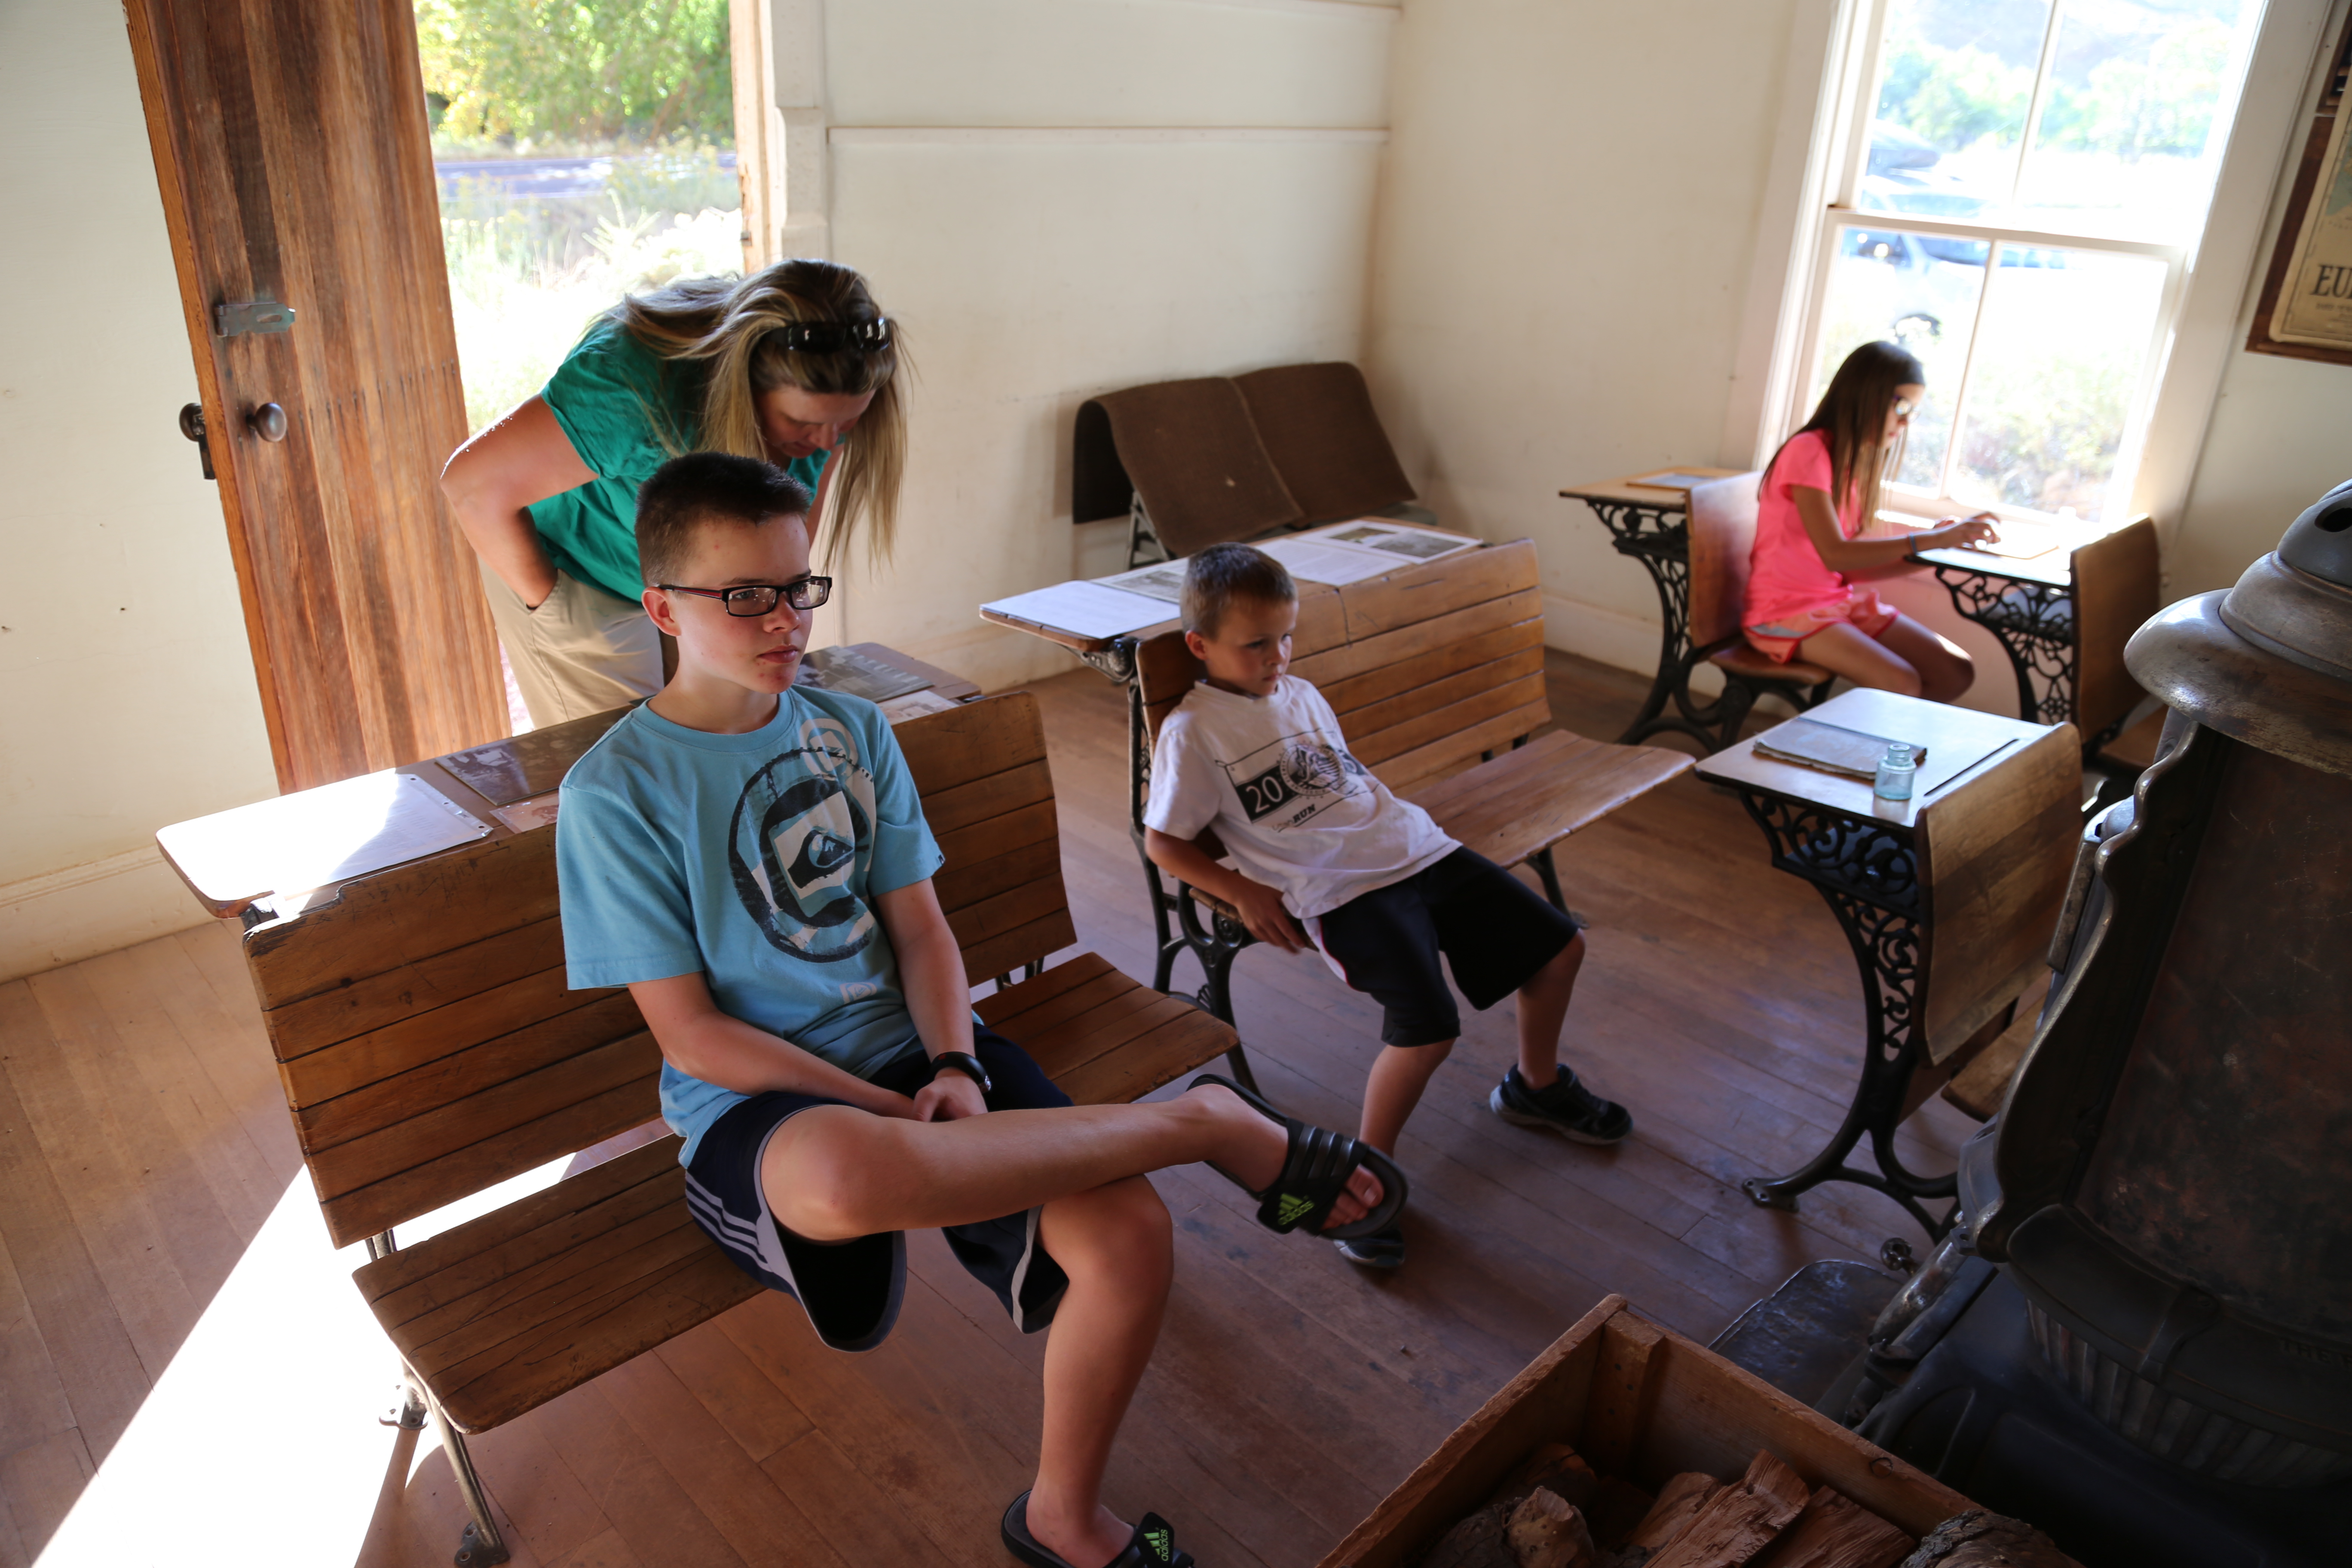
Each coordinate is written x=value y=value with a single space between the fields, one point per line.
x=1979 y=1539
x=1678 y=1503
x=1836 y=1532
x=1548 y=1532
x=1557 y=1468
x=1477 y=1541
x=1739 y=1521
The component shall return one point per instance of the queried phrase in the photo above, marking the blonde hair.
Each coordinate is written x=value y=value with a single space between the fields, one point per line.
x=730 y=326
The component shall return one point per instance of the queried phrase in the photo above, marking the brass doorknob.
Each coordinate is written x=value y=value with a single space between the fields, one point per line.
x=268 y=422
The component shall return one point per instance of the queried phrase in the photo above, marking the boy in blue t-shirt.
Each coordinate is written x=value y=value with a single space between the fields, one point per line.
x=749 y=859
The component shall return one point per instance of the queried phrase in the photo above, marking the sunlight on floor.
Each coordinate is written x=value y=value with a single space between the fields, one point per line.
x=261 y=1440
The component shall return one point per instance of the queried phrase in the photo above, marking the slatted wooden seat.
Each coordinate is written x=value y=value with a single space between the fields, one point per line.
x=429 y=1048
x=1437 y=675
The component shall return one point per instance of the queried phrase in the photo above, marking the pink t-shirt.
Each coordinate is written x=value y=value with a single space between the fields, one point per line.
x=1785 y=573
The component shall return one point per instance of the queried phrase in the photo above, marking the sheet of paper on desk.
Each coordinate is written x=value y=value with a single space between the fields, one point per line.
x=1337 y=564
x=1669 y=480
x=2021 y=540
x=1397 y=538
x=1162 y=580
x=914 y=705
x=1084 y=609
x=317 y=836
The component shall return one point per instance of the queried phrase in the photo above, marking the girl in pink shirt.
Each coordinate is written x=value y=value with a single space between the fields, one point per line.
x=1808 y=551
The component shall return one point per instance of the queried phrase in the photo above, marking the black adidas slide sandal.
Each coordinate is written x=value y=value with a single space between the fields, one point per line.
x=1153 y=1545
x=1314 y=1174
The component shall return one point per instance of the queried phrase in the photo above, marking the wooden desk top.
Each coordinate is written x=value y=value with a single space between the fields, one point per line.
x=1665 y=498
x=1951 y=735
x=1308 y=590
x=506 y=788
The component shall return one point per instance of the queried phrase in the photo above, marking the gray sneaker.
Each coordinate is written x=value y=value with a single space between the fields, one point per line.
x=1381 y=1249
x=1566 y=1107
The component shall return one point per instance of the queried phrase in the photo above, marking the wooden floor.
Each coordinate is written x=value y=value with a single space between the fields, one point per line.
x=144 y=1150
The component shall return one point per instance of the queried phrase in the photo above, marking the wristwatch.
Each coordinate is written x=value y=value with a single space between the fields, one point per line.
x=965 y=1063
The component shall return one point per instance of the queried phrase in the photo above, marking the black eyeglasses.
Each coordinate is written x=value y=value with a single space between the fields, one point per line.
x=834 y=337
x=760 y=598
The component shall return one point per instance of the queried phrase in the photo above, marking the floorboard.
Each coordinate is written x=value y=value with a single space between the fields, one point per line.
x=144 y=1140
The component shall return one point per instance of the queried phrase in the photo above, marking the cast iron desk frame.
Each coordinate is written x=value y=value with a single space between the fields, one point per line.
x=1867 y=869
x=2027 y=605
x=1655 y=530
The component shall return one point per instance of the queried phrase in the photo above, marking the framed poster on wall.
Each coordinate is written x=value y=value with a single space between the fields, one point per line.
x=2306 y=307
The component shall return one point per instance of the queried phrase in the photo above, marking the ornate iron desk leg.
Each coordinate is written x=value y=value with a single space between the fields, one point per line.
x=1115 y=663
x=1869 y=879
x=1659 y=538
x=2034 y=623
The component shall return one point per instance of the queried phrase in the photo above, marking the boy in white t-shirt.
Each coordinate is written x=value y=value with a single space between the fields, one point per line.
x=1327 y=855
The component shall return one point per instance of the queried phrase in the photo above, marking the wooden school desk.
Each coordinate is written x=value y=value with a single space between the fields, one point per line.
x=491 y=792
x=2027 y=605
x=2032 y=607
x=1652 y=524
x=1947 y=900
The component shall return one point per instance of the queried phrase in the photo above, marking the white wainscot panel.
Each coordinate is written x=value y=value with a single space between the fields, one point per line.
x=1107 y=62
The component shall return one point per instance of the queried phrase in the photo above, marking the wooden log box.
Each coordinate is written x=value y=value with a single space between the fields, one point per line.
x=1644 y=1404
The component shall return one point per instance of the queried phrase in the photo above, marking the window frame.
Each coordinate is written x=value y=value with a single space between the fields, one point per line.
x=1830 y=85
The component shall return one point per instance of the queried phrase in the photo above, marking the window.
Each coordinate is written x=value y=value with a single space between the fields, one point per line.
x=2023 y=191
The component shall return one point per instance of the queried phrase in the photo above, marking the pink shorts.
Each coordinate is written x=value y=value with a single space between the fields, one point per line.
x=1777 y=640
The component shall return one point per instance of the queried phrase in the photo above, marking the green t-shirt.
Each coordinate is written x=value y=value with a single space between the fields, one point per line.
x=627 y=411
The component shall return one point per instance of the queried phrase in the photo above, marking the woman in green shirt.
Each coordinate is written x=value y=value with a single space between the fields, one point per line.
x=781 y=365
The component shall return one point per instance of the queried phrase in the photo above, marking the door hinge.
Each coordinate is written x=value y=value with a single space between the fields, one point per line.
x=241 y=316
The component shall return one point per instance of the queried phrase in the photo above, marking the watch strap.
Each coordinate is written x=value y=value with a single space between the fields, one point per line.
x=965 y=1063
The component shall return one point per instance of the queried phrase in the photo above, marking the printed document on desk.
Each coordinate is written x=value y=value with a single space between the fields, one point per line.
x=1393 y=539
x=1084 y=609
x=1160 y=579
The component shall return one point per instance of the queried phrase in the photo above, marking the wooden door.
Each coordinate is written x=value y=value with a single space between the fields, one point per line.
x=291 y=145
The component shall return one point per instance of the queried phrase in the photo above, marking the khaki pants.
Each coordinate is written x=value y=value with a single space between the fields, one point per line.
x=581 y=651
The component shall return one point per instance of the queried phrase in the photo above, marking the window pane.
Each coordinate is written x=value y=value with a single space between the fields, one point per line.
x=2059 y=355
x=2132 y=109
x=1955 y=81
x=1920 y=291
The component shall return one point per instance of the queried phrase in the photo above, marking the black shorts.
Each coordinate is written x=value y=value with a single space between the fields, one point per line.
x=851 y=1290
x=1495 y=931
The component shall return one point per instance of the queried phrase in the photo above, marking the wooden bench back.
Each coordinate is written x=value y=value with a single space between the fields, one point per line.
x=2118 y=586
x=989 y=797
x=1318 y=426
x=429 y=1047
x=1722 y=539
x=1428 y=670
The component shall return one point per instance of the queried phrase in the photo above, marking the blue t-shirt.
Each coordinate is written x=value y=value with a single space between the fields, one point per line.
x=627 y=411
x=753 y=859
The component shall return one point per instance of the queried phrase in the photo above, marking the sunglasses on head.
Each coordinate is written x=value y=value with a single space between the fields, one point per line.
x=836 y=337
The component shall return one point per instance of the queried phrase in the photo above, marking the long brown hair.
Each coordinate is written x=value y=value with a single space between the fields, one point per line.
x=1853 y=418
x=729 y=326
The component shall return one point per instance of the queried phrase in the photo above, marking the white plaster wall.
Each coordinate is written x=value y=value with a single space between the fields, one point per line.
x=127 y=697
x=1096 y=193
x=1107 y=62
x=2281 y=437
x=2280 y=434
x=1570 y=200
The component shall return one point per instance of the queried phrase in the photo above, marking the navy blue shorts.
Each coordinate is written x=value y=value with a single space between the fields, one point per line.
x=851 y=1290
x=1495 y=931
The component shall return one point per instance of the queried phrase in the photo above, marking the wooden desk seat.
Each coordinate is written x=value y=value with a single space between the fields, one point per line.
x=429 y=1048
x=1436 y=676
x=1722 y=537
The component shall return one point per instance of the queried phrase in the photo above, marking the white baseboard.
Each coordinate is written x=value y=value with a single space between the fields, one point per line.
x=65 y=916
x=1610 y=637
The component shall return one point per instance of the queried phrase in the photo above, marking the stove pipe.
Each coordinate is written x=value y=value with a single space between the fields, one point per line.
x=2170 y=1184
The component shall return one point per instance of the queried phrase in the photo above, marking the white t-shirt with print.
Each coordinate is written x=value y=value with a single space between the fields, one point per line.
x=1298 y=811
